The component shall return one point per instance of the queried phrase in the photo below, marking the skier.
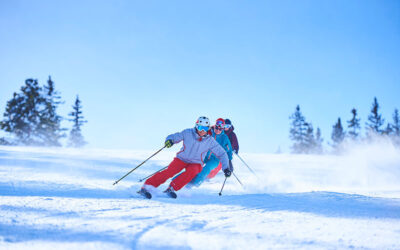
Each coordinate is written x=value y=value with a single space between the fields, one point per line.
x=234 y=143
x=212 y=163
x=196 y=143
x=232 y=136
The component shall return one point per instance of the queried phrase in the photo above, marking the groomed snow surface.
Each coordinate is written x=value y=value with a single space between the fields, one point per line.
x=65 y=199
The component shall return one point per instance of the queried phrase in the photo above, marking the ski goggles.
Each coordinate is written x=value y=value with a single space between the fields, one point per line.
x=228 y=126
x=219 y=123
x=219 y=127
x=202 y=128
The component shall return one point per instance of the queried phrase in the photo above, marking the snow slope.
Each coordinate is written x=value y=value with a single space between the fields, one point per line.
x=64 y=199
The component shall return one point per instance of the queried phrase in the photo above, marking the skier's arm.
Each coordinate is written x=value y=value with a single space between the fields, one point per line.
x=177 y=137
x=235 y=143
x=221 y=154
x=228 y=147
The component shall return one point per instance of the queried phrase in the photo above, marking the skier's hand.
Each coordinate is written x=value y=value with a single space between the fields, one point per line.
x=236 y=151
x=169 y=143
x=227 y=173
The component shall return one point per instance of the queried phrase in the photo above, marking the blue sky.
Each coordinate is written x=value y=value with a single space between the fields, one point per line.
x=145 y=69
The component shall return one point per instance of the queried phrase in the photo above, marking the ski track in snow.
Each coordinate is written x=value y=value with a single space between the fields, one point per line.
x=64 y=199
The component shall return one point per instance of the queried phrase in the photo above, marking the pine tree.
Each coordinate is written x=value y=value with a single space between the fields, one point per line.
x=75 y=137
x=50 y=121
x=338 y=134
x=354 y=125
x=313 y=142
x=375 y=120
x=22 y=115
x=395 y=127
x=298 y=132
x=310 y=139
x=396 y=122
x=31 y=117
x=318 y=142
x=388 y=130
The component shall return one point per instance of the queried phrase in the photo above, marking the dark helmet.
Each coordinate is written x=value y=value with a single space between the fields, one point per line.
x=228 y=124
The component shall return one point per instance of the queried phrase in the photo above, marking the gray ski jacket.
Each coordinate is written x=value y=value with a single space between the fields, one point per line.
x=195 y=148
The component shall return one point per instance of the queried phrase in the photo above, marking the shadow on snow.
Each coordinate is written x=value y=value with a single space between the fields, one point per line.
x=328 y=204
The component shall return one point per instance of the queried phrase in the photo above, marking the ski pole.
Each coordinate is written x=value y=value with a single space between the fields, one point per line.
x=237 y=179
x=245 y=164
x=138 y=165
x=145 y=178
x=220 y=192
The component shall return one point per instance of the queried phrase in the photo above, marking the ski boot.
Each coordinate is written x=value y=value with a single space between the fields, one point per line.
x=144 y=193
x=170 y=192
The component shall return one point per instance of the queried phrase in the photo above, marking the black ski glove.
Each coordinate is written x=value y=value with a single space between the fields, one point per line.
x=227 y=173
x=169 y=143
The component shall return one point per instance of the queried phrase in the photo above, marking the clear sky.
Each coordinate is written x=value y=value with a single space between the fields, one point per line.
x=145 y=69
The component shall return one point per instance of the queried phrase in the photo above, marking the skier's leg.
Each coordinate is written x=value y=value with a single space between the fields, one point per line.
x=174 y=167
x=210 y=165
x=175 y=177
x=215 y=171
x=190 y=171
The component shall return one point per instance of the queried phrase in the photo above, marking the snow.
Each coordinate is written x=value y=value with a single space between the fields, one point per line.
x=64 y=199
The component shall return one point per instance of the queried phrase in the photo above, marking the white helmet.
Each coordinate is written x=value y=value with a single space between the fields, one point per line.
x=203 y=121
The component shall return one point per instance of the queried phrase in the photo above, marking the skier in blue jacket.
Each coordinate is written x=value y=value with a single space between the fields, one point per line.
x=211 y=161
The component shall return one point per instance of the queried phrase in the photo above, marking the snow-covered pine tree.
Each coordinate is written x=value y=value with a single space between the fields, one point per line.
x=375 y=120
x=298 y=132
x=50 y=121
x=395 y=127
x=22 y=115
x=338 y=134
x=75 y=137
x=354 y=125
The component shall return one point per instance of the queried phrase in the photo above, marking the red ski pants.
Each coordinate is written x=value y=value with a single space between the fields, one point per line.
x=176 y=166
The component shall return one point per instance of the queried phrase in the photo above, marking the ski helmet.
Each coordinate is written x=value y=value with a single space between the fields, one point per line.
x=228 y=123
x=203 y=123
x=220 y=123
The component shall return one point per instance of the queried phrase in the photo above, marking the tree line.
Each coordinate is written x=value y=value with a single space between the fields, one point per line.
x=31 y=118
x=306 y=141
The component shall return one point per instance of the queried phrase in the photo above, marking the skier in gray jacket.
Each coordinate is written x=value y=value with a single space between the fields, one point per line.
x=196 y=143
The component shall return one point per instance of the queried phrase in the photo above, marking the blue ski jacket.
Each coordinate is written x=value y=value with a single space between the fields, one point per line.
x=224 y=141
